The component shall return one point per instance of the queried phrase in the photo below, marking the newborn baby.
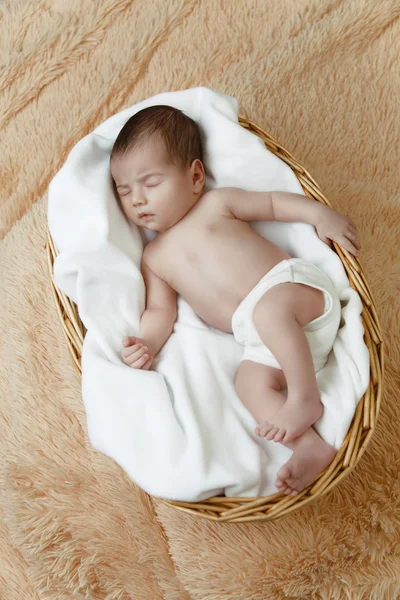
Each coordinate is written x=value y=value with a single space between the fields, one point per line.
x=283 y=310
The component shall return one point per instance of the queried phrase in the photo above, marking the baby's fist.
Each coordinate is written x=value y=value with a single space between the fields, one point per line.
x=136 y=353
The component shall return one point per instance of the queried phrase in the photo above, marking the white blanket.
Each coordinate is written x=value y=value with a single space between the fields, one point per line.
x=179 y=429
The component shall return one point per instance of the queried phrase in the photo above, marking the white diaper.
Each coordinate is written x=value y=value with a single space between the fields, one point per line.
x=321 y=332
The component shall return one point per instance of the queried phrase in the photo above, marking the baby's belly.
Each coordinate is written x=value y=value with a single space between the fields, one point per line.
x=215 y=308
x=215 y=286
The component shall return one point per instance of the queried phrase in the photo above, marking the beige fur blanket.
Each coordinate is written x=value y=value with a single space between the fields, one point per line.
x=322 y=77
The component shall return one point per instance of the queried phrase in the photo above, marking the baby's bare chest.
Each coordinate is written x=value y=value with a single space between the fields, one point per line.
x=222 y=257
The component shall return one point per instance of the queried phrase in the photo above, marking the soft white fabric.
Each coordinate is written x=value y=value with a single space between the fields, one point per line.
x=320 y=332
x=179 y=430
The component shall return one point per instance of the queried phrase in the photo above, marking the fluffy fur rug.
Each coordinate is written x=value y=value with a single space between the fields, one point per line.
x=322 y=77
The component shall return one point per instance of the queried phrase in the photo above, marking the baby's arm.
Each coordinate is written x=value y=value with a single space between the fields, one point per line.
x=291 y=207
x=156 y=324
x=329 y=224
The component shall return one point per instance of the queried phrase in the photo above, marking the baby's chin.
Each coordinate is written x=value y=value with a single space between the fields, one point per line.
x=149 y=225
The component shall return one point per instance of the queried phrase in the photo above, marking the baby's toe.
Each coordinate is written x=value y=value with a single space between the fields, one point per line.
x=284 y=489
x=284 y=473
x=261 y=430
x=273 y=432
x=280 y=435
x=280 y=485
x=266 y=428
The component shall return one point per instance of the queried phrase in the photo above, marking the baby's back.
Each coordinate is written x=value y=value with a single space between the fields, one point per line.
x=213 y=260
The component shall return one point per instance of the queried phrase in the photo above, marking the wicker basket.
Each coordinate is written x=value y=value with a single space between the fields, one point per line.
x=276 y=506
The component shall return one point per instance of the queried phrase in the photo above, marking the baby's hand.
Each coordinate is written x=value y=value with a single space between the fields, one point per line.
x=136 y=353
x=334 y=226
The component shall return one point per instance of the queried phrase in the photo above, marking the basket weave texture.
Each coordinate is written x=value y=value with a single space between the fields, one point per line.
x=279 y=505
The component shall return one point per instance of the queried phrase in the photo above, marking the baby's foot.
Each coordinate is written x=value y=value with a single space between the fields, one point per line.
x=303 y=466
x=293 y=419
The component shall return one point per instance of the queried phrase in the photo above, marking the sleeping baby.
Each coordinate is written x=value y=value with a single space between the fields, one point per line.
x=283 y=310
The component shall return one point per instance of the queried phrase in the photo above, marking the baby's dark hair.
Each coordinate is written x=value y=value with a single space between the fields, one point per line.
x=179 y=133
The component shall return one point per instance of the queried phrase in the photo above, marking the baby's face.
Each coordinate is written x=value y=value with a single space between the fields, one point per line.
x=146 y=183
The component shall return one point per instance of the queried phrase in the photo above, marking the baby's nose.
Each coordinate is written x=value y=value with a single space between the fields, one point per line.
x=139 y=200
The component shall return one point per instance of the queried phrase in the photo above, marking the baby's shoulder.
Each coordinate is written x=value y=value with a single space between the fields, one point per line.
x=222 y=194
x=223 y=191
x=217 y=200
x=152 y=256
x=149 y=253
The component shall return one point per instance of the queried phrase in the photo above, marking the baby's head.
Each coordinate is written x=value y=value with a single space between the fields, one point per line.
x=157 y=167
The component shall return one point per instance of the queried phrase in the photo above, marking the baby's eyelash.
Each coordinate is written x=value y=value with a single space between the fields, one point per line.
x=154 y=185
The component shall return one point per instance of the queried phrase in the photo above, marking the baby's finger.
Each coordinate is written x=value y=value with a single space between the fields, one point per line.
x=352 y=224
x=354 y=239
x=325 y=239
x=125 y=352
x=147 y=364
x=128 y=341
x=138 y=364
x=347 y=245
x=135 y=356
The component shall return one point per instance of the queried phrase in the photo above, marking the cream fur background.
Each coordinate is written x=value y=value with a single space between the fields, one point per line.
x=322 y=77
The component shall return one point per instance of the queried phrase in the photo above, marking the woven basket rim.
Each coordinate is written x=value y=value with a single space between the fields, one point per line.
x=275 y=506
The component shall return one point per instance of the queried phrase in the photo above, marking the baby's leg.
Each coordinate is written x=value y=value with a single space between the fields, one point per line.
x=259 y=388
x=279 y=317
